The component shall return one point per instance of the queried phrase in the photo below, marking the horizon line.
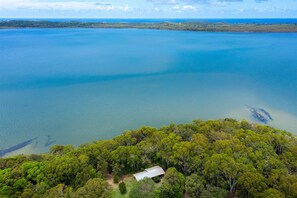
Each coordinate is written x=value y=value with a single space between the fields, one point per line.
x=142 y=18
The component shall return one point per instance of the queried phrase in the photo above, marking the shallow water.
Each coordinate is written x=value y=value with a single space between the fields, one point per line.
x=78 y=85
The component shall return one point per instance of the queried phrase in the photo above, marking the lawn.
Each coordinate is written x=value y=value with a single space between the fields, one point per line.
x=128 y=181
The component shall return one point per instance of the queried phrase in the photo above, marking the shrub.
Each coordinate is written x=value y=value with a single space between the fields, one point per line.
x=122 y=188
x=115 y=178
x=157 y=179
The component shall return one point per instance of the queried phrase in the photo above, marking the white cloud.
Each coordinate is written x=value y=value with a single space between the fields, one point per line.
x=257 y=9
x=58 y=5
x=219 y=3
x=182 y=8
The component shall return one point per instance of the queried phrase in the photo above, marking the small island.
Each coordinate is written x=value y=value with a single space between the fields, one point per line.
x=178 y=26
x=216 y=158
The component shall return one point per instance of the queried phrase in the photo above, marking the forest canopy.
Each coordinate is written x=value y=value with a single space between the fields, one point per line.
x=217 y=158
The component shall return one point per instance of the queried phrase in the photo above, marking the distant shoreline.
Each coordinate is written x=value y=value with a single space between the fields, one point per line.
x=178 y=26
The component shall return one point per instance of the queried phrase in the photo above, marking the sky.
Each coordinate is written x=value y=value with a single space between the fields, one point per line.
x=148 y=9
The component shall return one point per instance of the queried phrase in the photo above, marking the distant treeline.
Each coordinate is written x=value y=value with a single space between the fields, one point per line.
x=219 y=158
x=181 y=26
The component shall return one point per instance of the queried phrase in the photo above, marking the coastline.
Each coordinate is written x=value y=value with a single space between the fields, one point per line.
x=184 y=152
x=176 y=26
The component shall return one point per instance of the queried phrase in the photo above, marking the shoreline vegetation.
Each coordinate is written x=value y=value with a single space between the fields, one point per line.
x=178 y=26
x=215 y=158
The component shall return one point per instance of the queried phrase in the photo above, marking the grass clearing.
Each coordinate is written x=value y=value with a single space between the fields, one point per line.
x=128 y=181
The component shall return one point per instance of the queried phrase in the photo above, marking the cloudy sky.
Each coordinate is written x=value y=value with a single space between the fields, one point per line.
x=148 y=9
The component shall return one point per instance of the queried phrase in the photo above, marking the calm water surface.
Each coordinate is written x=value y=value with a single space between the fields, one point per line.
x=77 y=85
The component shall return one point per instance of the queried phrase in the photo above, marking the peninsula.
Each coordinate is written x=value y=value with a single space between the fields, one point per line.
x=216 y=158
x=178 y=26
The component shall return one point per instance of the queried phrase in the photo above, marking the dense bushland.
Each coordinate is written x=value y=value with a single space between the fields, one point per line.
x=220 y=158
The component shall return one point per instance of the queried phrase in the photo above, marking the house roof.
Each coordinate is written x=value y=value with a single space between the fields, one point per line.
x=141 y=175
x=150 y=173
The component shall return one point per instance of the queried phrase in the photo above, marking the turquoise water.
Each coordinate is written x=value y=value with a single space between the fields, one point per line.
x=77 y=85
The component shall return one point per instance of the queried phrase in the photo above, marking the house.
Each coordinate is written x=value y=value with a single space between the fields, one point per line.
x=149 y=173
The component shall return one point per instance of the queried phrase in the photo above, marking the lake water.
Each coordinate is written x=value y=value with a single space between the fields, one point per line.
x=78 y=85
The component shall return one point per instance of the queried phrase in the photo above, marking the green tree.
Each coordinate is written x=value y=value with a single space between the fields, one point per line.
x=94 y=188
x=115 y=178
x=252 y=184
x=5 y=176
x=148 y=149
x=61 y=149
x=59 y=191
x=41 y=188
x=213 y=192
x=173 y=186
x=183 y=153
x=223 y=168
x=195 y=184
x=33 y=171
x=165 y=147
x=6 y=191
x=126 y=139
x=272 y=193
x=62 y=169
x=128 y=157
x=20 y=184
x=99 y=154
x=86 y=171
